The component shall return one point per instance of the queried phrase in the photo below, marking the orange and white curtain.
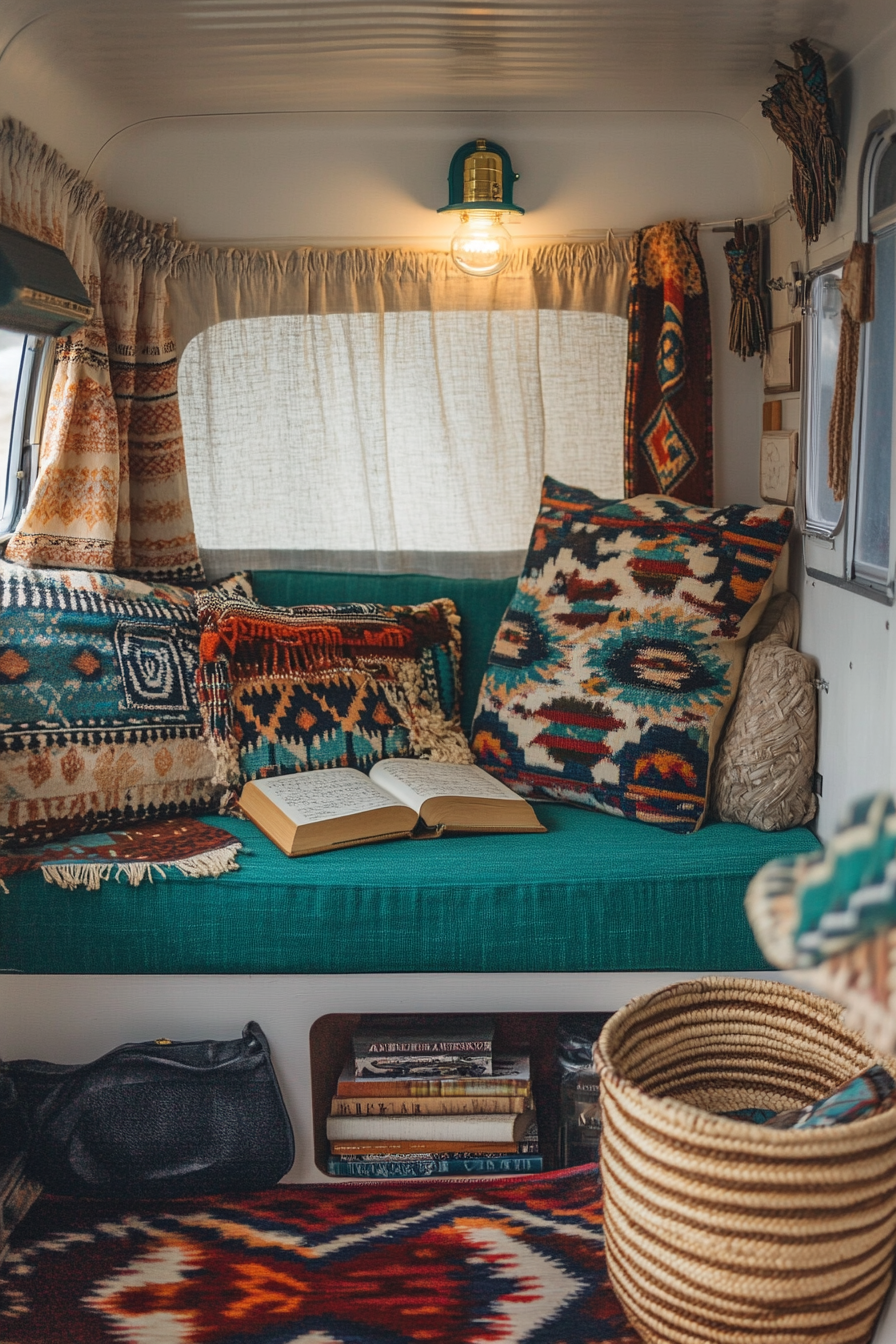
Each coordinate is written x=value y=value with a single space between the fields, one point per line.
x=112 y=490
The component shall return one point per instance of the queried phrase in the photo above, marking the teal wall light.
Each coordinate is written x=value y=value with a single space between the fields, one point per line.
x=480 y=188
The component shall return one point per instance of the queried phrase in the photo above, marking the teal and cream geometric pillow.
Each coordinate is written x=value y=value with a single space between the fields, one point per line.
x=101 y=723
x=621 y=651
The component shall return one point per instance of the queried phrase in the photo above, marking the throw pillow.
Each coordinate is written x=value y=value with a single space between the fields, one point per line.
x=101 y=720
x=305 y=688
x=618 y=657
x=763 y=772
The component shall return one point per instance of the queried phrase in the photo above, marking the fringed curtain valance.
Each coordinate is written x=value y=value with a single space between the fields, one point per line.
x=112 y=490
x=209 y=285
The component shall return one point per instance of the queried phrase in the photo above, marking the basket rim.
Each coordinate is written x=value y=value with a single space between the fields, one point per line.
x=715 y=989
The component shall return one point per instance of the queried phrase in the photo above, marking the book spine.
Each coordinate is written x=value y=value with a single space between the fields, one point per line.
x=466 y=1128
x=371 y=1047
x=433 y=1087
x=383 y=1105
x=473 y=1166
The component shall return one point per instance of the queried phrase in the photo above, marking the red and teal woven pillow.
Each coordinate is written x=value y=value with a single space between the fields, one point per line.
x=286 y=689
x=101 y=724
x=620 y=654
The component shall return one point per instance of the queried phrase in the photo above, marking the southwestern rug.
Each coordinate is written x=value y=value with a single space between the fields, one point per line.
x=511 y=1261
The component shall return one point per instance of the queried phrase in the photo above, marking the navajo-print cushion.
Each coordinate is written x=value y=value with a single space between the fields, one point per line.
x=620 y=653
x=304 y=688
x=101 y=724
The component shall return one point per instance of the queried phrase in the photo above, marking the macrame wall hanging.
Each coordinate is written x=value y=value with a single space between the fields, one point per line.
x=802 y=116
x=747 y=333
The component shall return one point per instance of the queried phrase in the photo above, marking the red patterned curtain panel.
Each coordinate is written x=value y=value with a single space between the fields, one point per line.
x=112 y=491
x=668 y=394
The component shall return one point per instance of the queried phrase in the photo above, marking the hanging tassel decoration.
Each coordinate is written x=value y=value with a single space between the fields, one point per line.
x=802 y=115
x=747 y=334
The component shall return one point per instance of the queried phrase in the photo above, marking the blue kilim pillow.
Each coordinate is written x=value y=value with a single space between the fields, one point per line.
x=620 y=654
x=100 y=712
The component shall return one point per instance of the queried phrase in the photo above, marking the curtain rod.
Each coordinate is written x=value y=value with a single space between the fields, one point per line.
x=727 y=225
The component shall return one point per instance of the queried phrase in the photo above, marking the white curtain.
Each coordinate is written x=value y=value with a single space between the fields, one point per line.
x=402 y=441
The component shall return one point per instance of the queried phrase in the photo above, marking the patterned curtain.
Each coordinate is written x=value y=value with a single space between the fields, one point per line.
x=112 y=490
x=668 y=394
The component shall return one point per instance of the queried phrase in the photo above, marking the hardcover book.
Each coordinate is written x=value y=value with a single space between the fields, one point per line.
x=426 y=1166
x=387 y=1046
x=429 y=1105
x=509 y=1078
x=319 y=810
x=465 y=1129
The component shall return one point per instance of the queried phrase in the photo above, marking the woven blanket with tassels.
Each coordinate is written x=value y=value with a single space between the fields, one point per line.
x=802 y=115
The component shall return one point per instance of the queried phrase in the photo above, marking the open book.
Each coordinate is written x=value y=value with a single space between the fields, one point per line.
x=329 y=809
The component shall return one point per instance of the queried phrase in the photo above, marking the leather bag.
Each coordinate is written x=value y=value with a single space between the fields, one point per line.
x=157 y=1118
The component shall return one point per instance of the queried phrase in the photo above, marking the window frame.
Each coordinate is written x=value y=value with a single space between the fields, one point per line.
x=23 y=453
x=830 y=553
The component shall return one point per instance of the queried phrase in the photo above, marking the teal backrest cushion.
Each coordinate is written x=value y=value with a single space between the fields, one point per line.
x=481 y=603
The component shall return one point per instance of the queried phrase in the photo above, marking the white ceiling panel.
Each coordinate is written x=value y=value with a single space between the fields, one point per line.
x=96 y=66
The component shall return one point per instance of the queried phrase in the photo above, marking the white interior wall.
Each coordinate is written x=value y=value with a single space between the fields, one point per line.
x=852 y=637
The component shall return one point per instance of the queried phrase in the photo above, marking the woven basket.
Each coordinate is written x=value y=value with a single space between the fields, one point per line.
x=724 y=1232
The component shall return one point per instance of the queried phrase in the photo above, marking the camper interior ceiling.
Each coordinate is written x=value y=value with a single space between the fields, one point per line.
x=251 y=192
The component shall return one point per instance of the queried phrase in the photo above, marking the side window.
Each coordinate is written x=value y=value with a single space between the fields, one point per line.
x=824 y=514
x=873 y=549
x=24 y=375
x=853 y=542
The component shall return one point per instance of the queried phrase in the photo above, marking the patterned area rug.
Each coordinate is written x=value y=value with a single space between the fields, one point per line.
x=139 y=853
x=508 y=1260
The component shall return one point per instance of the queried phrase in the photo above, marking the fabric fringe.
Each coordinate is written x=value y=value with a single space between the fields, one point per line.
x=802 y=117
x=70 y=876
x=747 y=334
x=843 y=407
x=857 y=289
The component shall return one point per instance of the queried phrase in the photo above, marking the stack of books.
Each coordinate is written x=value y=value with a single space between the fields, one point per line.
x=428 y=1096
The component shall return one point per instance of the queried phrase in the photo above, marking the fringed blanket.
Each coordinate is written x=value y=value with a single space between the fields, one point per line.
x=138 y=854
x=668 y=393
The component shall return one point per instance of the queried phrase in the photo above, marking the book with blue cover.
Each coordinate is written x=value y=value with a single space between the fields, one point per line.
x=392 y=1168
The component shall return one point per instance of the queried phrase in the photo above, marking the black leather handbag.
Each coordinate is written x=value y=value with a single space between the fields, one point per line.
x=157 y=1118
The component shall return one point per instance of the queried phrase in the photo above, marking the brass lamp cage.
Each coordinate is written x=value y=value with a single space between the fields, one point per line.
x=481 y=177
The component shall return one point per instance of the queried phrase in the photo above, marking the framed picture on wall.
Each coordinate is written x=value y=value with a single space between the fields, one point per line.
x=781 y=367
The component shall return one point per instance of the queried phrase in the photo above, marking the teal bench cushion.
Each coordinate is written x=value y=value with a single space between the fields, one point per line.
x=597 y=893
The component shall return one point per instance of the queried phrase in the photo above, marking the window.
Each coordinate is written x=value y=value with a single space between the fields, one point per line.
x=853 y=542
x=823 y=513
x=24 y=369
x=397 y=440
x=873 y=544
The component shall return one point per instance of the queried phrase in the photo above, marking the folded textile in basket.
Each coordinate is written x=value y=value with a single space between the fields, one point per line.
x=829 y=917
x=868 y=1094
x=144 y=852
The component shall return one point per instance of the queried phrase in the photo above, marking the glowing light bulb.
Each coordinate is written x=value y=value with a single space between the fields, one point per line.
x=481 y=245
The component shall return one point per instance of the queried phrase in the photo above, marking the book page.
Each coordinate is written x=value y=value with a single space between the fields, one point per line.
x=322 y=795
x=412 y=782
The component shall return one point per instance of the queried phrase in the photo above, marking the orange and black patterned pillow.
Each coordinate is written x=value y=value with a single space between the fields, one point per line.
x=286 y=689
x=621 y=651
x=101 y=719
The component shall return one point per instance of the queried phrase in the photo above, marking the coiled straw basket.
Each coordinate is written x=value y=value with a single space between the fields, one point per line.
x=724 y=1232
